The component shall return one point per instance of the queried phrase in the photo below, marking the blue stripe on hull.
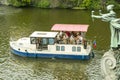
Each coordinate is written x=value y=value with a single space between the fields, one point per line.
x=43 y=55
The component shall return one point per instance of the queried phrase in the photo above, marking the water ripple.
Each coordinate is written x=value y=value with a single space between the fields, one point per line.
x=4 y=10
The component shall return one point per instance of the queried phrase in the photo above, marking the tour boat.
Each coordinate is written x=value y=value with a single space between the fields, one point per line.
x=61 y=42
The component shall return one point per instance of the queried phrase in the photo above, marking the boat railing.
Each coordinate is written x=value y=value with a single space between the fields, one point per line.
x=85 y=43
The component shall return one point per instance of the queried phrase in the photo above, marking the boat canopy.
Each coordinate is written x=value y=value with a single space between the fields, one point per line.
x=70 y=27
x=44 y=34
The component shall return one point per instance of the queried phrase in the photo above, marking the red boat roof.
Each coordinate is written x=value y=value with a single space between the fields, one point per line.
x=70 y=27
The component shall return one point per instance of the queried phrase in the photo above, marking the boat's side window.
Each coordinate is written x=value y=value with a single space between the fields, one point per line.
x=33 y=40
x=62 y=48
x=51 y=41
x=73 y=48
x=44 y=41
x=57 y=48
x=78 y=49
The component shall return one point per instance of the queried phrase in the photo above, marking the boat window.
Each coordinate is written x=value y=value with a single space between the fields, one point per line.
x=78 y=49
x=62 y=48
x=73 y=48
x=51 y=41
x=44 y=41
x=57 y=48
x=32 y=40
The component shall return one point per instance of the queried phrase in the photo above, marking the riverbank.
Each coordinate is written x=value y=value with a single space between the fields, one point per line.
x=71 y=4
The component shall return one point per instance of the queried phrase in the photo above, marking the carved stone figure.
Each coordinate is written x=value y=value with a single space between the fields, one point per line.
x=110 y=62
x=114 y=25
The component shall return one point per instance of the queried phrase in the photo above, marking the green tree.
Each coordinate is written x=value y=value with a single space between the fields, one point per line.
x=26 y=1
x=87 y=3
x=43 y=4
x=15 y=3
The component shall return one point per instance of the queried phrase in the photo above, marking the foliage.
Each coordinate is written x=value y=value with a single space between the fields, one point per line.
x=86 y=4
x=98 y=4
x=28 y=1
x=18 y=3
x=43 y=4
x=14 y=3
x=117 y=5
x=67 y=3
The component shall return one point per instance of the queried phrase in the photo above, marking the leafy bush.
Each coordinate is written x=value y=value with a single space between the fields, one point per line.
x=43 y=4
x=15 y=3
x=85 y=4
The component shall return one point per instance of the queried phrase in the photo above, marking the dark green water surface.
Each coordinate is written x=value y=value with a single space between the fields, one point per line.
x=21 y=22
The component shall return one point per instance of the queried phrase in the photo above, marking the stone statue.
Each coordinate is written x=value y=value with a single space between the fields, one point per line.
x=110 y=62
x=114 y=25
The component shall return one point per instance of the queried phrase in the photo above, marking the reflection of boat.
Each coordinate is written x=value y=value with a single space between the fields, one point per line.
x=46 y=44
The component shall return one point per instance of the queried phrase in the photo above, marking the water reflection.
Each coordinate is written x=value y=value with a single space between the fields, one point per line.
x=5 y=10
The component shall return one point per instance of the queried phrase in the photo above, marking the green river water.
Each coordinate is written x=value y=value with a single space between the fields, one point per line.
x=21 y=22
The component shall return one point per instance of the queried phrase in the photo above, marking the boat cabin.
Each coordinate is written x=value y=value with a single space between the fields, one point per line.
x=42 y=38
x=66 y=35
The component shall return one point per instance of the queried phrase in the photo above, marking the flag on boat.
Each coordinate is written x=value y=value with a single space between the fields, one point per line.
x=94 y=44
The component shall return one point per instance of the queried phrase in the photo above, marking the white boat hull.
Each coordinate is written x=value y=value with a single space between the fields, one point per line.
x=22 y=47
x=50 y=55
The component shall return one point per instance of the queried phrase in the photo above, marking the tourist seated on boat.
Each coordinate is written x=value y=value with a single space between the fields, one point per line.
x=62 y=38
x=71 y=40
x=68 y=33
x=38 y=43
x=79 y=39
x=85 y=43
x=60 y=34
x=65 y=38
x=58 y=39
